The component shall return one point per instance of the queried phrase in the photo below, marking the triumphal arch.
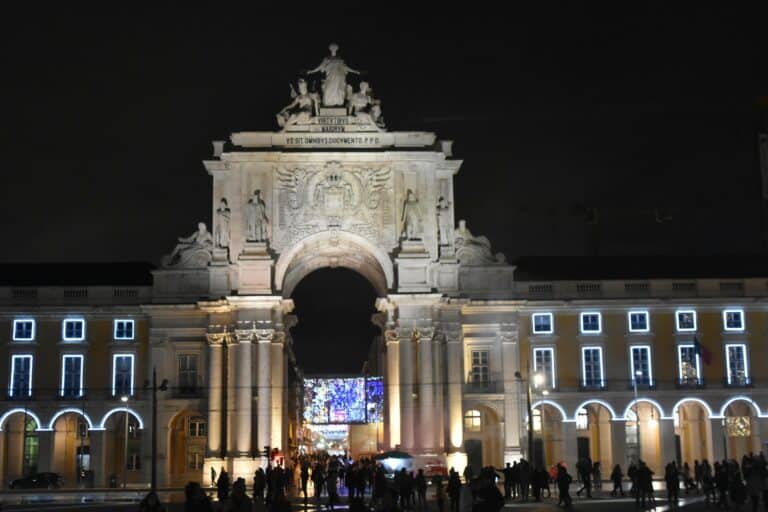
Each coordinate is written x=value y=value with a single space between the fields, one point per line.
x=331 y=186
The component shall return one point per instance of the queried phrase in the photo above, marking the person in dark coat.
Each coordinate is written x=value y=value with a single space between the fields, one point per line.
x=454 y=490
x=222 y=485
x=507 y=471
x=672 y=479
x=564 y=486
x=616 y=476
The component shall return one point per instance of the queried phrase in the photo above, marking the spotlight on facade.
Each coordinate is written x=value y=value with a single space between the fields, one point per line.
x=124 y=398
x=538 y=380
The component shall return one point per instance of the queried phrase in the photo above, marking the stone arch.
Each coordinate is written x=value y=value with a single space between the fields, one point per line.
x=186 y=448
x=130 y=411
x=549 y=443
x=555 y=405
x=73 y=410
x=489 y=436
x=653 y=403
x=691 y=418
x=334 y=249
x=71 y=443
x=26 y=412
x=744 y=399
x=596 y=401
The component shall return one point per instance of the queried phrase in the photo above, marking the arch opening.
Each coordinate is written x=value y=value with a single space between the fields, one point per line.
x=334 y=331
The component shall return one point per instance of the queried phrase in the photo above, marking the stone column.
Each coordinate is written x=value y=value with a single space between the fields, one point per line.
x=231 y=390
x=439 y=423
x=454 y=379
x=718 y=440
x=511 y=389
x=570 y=442
x=406 y=391
x=45 y=451
x=215 y=395
x=98 y=450
x=667 y=439
x=243 y=393
x=426 y=392
x=619 y=443
x=393 y=386
x=263 y=389
x=278 y=388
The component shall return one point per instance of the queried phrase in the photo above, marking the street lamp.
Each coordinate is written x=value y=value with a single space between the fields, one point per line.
x=538 y=380
x=155 y=388
x=638 y=373
x=124 y=399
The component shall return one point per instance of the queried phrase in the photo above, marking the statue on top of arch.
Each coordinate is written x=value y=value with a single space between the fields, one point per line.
x=334 y=92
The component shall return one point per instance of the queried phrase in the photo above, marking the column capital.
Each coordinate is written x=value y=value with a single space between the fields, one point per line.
x=264 y=335
x=391 y=336
x=243 y=336
x=422 y=333
x=217 y=339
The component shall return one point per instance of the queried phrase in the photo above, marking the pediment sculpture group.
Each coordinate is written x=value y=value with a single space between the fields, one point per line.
x=334 y=92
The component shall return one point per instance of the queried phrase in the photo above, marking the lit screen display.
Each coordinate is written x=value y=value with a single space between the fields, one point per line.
x=339 y=401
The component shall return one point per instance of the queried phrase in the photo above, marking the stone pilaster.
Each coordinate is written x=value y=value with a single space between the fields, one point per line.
x=392 y=340
x=406 y=390
x=278 y=389
x=423 y=338
x=511 y=388
x=454 y=380
x=619 y=443
x=438 y=371
x=215 y=394
x=243 y=392
x=264 y=389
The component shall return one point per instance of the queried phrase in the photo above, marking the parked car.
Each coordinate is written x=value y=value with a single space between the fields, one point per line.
x=38 y=481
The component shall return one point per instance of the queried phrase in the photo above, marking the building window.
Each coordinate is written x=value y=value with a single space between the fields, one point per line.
x=187 y=373
x=590 y=323
x=123 y=329
x=638 y=321
x=733 y=319
x=642 y=372
x=72 y=376
x=134 y=432
x=195 y=458
x=537 y=420
x=592 y=367
x=480 y=370
x=23 y=329
x=122 y=375
x=197 y=427
x=21 y=376
x=73 y=329
x=31 y=448
x=736 y=364
x=544 y=364
x=688 y=364
x=473 y=421
x=686 y=320
x=582 y=419
x=542 y=323
x=134 y=461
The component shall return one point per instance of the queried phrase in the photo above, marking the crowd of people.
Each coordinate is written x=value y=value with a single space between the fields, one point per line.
x=369 y=487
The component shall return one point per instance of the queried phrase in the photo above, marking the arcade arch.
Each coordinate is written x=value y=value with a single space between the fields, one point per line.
x=643 y=433
x=741 y=429
x=187 y=434
x=71 y=455
x=482 y=437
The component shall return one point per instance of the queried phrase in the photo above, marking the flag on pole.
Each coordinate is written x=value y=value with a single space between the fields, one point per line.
x=702 y=351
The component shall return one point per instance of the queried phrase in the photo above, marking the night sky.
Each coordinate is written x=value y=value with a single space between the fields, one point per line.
x=105 y=120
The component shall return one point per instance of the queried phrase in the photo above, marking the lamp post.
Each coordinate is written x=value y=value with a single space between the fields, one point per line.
x=124 y=399
x=638 y=373
x=538 y=380
x=155 y=388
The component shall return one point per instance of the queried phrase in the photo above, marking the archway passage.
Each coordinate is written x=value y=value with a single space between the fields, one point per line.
x=334 y=330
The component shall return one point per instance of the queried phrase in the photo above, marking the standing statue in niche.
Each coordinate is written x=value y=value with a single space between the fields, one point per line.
x=193 y=251
x=443 y=221
x=256 y=220
x=223 y=218
x=410 y=217
x=365 y=107
x=334 y=85
x=301 y=109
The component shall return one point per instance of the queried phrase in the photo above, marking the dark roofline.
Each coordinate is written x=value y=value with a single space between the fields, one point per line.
x=76 y=274
x=578 y=268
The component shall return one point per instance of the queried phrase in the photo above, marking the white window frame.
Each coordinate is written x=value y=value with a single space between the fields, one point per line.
x=725 y=319
x=647 y=321
x=551 y=350
x=680 y=361
x=551 y=323
x=599 y=322
x=114 y=372
x=632 y=375
x=14 y=357
x=677 y=320
x=17 y=321
x=728 y=361
x=582 y=419
x=125 y=320
x=64 y=329
x=64 y=358
x=584 y=366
